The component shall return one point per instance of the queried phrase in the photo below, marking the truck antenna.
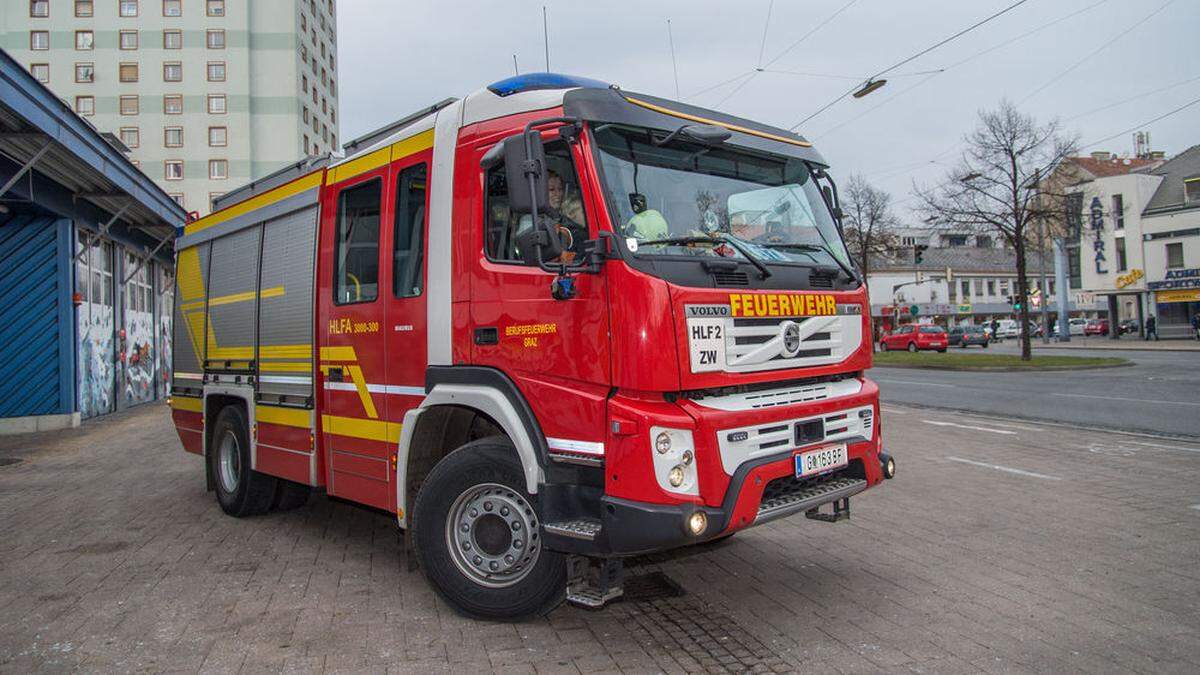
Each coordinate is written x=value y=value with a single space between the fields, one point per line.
x=516 y=70
x=674 y=66
x=546 y=37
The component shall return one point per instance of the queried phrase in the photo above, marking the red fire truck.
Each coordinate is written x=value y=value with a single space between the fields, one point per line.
x=548 y=326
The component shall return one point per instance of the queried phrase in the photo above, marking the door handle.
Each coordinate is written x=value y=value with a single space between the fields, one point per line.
x=487 y=336
x=335 y=374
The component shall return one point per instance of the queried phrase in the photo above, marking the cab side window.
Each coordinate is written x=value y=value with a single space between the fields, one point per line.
x=501 y=227
x=409 y=232
x=356 y=250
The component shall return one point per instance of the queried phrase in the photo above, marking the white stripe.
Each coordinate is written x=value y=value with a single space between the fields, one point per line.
x=571 y=445
x=968 y=426
x=285 y=379
x=1003 y=468
x=1165 y=447
x=438 y=287
x=377 y=388
x=926 y=384
x=1136 y=400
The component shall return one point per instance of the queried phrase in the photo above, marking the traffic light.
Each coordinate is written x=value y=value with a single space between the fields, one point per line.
x=919 y=253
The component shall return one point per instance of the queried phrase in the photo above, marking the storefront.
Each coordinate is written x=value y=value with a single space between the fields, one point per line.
x=1177 y=301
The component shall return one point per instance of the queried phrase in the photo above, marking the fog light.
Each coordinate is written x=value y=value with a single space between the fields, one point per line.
x=676 y=476
x=697 y=523
x=887 y=464
x=662 y=443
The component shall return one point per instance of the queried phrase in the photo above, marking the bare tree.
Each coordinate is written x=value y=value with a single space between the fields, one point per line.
x=995 y=186
x=870 y=224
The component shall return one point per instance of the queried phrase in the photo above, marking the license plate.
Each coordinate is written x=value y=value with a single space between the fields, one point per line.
x=820 y=461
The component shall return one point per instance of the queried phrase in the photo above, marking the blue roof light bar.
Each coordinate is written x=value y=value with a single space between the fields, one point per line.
x=535 y=81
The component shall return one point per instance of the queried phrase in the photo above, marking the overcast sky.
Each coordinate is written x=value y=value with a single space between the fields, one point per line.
x=397 y=56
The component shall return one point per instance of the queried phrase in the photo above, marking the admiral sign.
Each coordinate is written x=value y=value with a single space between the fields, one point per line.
x=1189 y=278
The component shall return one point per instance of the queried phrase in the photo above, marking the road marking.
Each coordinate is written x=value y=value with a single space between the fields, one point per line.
x=892 y=411
x=997 y=467
x=1135 y=400
x=1006 y=426
x=927 y=384
x=1165 y=447
x=968 y=426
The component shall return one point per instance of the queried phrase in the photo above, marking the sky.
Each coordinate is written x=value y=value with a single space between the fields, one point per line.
x=398 y=56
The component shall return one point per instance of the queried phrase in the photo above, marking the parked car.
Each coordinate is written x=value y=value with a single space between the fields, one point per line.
x=1127 y=326
x=1076 y=325
x=1006 y=328
x=914 y=338
x=968 y=335
x=1096 y=327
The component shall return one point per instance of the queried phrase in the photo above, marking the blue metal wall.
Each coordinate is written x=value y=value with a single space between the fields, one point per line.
x=36 y=325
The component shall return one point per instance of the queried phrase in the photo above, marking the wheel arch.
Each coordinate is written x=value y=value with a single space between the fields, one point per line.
x=215 y=400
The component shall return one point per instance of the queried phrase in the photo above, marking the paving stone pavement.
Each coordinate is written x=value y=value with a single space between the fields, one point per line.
x=113 y=558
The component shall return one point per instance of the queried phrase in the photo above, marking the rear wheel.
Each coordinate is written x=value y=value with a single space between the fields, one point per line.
x=241 y=491
x=478 y=536
x=912 y=346
x=290 y=495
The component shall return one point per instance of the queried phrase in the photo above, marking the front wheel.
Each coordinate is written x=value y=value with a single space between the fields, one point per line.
x=912 y=347
x=478 y=536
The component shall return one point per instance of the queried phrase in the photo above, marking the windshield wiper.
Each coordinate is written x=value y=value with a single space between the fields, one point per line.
x=717 y=238
x=815 y=247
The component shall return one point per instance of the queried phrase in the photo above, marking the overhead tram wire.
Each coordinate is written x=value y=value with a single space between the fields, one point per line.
x=674 y=66
x=1104 y=45
x=757 y=69
x=1132 y=98
x=807 y=35
x=1147 y=123
x=919 y=54
x=762 y=47
x=968 y=59
x=720 y=84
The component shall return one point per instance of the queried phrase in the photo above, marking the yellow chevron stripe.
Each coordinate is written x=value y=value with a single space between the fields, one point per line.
x=285 y=351
x=280 y=193
x=288 y=417
x=232 y=298
x=398 y=150
x=356 y=427
x=191 y=404
x=412 y=145
x=340 y=353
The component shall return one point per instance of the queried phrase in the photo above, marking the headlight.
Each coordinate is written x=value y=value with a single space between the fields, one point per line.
x=662 y=443
x=675 y=478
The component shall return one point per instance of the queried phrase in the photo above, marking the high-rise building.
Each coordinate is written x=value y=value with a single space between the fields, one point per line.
x=206 y=94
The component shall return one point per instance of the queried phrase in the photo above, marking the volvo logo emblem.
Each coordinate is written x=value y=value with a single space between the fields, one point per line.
x=790 y=332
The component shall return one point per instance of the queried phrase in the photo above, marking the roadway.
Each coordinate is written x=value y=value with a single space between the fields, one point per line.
x=1158 y=394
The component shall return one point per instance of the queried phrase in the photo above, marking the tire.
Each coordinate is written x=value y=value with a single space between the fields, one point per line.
x=941 y=351
x=883 y=346
x=912 y=347
x=464 y=487
x=240 y=490
x=290 y=495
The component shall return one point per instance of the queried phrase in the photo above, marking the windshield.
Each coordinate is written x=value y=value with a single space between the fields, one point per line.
x=932 y=329
x=770 y=203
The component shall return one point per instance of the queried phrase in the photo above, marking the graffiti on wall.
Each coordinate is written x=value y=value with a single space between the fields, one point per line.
x=166 y=309
x=96 y=359
x=139 y=357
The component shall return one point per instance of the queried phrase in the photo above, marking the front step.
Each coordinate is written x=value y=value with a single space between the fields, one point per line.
x=795 y=496
x=580 y=528
x=593 y=582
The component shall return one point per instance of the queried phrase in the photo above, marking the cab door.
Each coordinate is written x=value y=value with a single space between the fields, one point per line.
x=358 y=436
x=557 y=351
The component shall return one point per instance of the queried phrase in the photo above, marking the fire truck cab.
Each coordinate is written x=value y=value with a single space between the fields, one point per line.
x=548 y=326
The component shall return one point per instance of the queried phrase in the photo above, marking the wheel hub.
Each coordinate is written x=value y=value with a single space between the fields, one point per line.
x=492 y=533
x=229 y=462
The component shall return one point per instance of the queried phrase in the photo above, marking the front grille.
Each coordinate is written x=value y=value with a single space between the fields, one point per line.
x=777 y=436
x=727 y=279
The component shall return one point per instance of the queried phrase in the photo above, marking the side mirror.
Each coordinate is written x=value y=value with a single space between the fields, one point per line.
x=525 y=169
x=542 y=235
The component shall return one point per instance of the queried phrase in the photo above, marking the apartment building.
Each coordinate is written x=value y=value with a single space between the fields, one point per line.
x=207 y=95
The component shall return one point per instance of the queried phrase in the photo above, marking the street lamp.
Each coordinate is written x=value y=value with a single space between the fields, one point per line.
x=868 y=87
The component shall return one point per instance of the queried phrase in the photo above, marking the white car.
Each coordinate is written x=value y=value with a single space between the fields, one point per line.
x=1007 y=328
x=1077 y=325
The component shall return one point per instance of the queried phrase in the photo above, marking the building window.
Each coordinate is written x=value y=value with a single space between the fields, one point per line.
x=172 y=104
x=991 y=286
x=39 y=40
x=1050 y=286
x=218 y=137
x=172 y=7
x=966 y=288
x=1118 y=212
x=129 y=39
x=1004 y=287
x=40 y=72
x=173 y=169
x=39 y=9
x=983 y=241
x=1175 y=255
x=1122 y=263
x=332 y=86
x=215 y=8
x=178 y=198
x=956 y=240
x=1191 y=189
x=128 y=8
x=218 y=169
x=216 y=71
x=172 y=71
x=173 y=137
x=172 y=39
x=129 y=72
x=304 y=114
x=130 y=136
x=215 y=39
x=84 y=8
x=85 y=105
x=304 y=85
x=333 y=115
x=129 y=105
x=85 y=72
x=84 y=40
x=216 y=104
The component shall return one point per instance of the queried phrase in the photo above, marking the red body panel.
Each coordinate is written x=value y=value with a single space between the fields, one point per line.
x=190 y=427
x=284 y=451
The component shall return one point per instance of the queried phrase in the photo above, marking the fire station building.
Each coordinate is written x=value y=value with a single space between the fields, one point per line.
x=86 y=266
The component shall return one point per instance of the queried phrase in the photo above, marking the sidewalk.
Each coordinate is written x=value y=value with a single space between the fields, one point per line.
x=1129 y=343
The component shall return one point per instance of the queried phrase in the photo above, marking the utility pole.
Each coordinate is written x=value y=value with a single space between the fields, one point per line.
x=1060 y=280
x=1045 y=292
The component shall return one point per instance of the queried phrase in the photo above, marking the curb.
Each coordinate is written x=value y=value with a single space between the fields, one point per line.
x=1122 y=348
x=1004 y=369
